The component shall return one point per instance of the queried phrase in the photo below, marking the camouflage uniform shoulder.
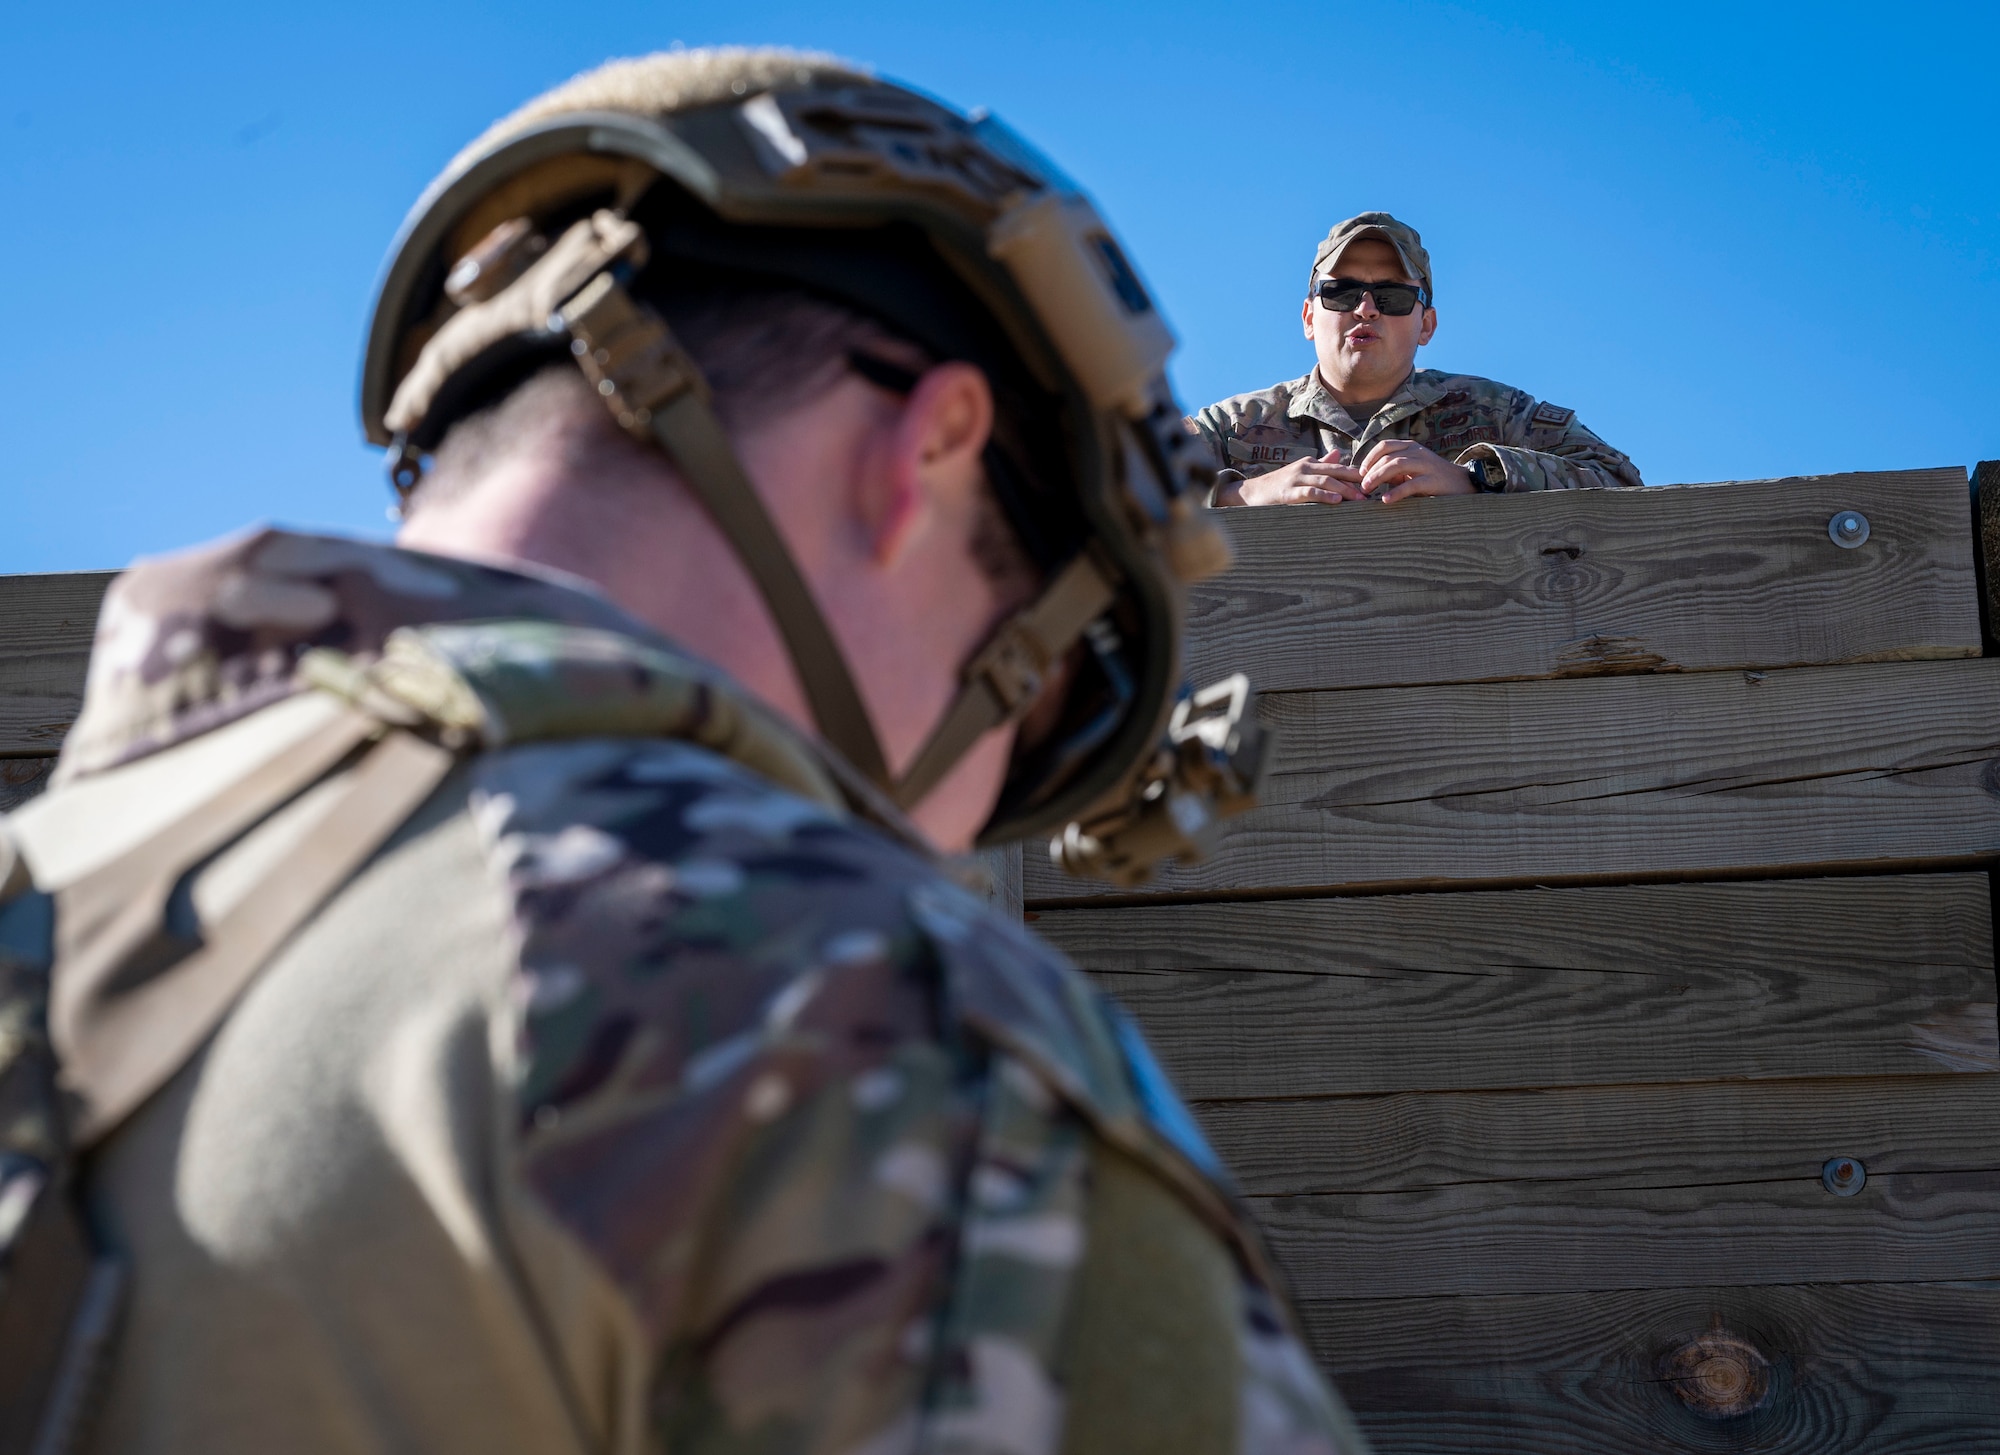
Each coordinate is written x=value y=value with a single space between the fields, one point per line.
x=1524 y=419
x=1462 y=391
x=188 y=642
x=1256 y=407
x=826 y=1120
x=626 y=860
x=1530 y=443
x=834 y=1129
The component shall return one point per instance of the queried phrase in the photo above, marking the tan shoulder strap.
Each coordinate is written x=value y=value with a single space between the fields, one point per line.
x=121 y=1032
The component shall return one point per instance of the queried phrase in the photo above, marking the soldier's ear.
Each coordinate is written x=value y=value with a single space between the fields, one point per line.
x=934 y=452
x=1430 y=327
x=1306 y=315
x=949 y=416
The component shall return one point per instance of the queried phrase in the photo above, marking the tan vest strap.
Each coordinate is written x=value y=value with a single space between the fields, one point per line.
x=114 y=912
x=656 y=391
x=1007 y=676
x=119 y=1042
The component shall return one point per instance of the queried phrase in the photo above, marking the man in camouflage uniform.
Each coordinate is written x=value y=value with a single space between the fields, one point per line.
x=653 y=1086
x=1366 y=424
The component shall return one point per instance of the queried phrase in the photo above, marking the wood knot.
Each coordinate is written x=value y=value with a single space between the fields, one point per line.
x=1568 y=576
x=1718 y=1375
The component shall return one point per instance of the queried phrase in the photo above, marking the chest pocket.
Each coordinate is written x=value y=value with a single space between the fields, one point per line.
x=1455 y=431
x=1255 y=456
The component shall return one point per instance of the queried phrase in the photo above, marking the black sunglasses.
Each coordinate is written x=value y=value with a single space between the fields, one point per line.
x=1343 y=295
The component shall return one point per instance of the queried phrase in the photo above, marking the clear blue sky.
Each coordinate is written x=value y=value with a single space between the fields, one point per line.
x=1741 y=240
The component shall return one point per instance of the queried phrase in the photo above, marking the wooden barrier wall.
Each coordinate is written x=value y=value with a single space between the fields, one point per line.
x=45 y=628
x=1623 y=865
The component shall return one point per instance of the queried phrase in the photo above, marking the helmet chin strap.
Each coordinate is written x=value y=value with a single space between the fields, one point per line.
x=656 y=392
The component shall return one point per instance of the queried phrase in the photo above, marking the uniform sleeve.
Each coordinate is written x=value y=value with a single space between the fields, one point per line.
x=1548 y=448
x=1211 y=430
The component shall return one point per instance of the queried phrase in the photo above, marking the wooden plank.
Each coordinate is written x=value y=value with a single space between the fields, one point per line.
x=1483 y=588
x=1862 y=976
x=1986 y=546
x=1866 y=922
x=1617 y=777
x=1607 y=1136
x=1508 y=1236
x=45 y=629
x=1895 y=1369
x=21 y=779
x=1002 y=867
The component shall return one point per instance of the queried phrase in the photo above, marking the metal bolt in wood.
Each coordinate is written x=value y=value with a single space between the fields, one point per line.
x=1843 y=1176
x=1847 y=529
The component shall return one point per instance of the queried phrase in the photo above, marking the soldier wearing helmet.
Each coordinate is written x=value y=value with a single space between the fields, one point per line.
x=1366 y=424
x=507 y=984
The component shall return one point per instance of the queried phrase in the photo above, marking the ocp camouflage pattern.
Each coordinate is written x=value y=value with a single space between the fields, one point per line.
x=1535 y=446
x=821 y=1115
x=823 y=1121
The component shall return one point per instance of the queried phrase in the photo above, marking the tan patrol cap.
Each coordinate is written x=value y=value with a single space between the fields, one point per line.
x=1398 y=235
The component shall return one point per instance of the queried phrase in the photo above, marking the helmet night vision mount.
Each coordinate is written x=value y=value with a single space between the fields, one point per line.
x=548 y=237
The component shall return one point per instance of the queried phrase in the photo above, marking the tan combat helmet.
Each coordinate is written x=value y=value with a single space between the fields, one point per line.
x=547 y=237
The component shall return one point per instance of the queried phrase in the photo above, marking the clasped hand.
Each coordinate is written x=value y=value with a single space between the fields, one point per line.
x=1397 y=469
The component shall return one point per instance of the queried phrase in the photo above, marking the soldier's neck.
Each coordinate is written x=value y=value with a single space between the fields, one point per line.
x=1361 y=399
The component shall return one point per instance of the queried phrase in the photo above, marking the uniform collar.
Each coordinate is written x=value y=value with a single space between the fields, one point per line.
x=1311 y=400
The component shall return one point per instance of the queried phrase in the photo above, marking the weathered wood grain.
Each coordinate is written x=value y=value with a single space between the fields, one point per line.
x=1617 y=777
x=45 y=629
x=1986 y=548
x=1910 y=1369
x=21 y=779
x=1003 y=875
x=1861 y=976
x=1508 y=1236
x=1226 y=1035
x=1483 y=588
x=1607 y=1136
x=1862 y=922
